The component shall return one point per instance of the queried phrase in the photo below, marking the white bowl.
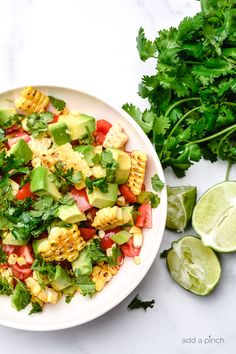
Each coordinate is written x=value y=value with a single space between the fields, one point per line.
x=82 y=309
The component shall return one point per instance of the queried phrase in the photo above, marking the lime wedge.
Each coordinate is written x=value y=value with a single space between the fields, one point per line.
x=193 y=266
x=181 y=201
x=214 y=217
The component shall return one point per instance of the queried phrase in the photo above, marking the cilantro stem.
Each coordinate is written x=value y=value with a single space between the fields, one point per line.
x=229 y=103
x=177 y=124
x=222 y=140
x=181 y=119
x=228 y=170
x=233 y=127
x=179 y=102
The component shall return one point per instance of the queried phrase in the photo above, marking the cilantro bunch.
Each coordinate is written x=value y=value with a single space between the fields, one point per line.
x=192 y=94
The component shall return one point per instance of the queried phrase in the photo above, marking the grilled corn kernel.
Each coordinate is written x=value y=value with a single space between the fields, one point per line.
x=108 y=218
x=137 y=173
x=21 y=261
x=12 y=259
x=120 y=201
x=115 y=137
x=44 y=294
x=137 y=235
x=137 y=260
x=100 y=277
x=62 y=244
x=32 y=101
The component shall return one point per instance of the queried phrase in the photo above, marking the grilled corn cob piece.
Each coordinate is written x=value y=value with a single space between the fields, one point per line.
x=62 y=244
x=98 y=171
x=31 y=101
x=137 y=173
x=108 y=218
x=113 y=269
x=67 y=156
x=39 y=293
x=100 y=277
x=115 y=137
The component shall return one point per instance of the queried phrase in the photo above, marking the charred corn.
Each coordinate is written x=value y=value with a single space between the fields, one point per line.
x=98 y=171
x=31 y=101
x=65 y=155
x=113 y=269
x=137 y=236
x=137 y=173
x=61 y=244
x=7 y=275
x=44 y=294
x=115 y=137
x=108 y=218
x=100 y=277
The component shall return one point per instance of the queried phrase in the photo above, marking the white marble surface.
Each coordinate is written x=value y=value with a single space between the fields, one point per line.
x=91 y=44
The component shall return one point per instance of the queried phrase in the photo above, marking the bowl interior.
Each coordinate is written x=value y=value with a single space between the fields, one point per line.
x=82 y=309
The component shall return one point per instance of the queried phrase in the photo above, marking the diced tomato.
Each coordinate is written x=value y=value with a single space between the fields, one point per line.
x=103 y=126
x=144 y=218
x=24 y=192
x=16 y=137
x=127 y=194
x=143 y=188
x=55 y=119
x=81 y=198
x=106 y=242
x=27 y=253
x=120 y=260
x=9 y=249
x=4 y=265
x=15 y=128
x=87 y=233
x=129 y=250
x=20 y=272
x=99 y=138
x=92 y=212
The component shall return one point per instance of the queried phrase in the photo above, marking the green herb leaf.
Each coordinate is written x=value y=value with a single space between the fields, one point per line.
x=36 y=308
x=136 y=303
x=145 y=47
x=86 y=285
x=57 y=103
x=3 y=256
x=6 y=288
x=157 y=184
x=21 y=297
x=37 y=123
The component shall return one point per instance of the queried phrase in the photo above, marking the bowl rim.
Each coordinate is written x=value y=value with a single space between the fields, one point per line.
x=163 y=205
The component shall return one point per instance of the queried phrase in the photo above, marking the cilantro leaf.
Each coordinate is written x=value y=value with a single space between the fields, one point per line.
x=113 y=259
x=3 y=256
x=145 y=47
x=21 y=297
x=145 y=120
x=99 y=183
x=36 y=308
x=37 y=123
x=5 y=287
x=136 y=303
x=86 y=285
x=70 y=176
x=57 y=103
x=155 y=200
x=157 y=184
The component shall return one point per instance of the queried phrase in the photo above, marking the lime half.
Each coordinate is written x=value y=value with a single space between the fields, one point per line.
x=214 y=217
x=181 y=201
x=193 y=266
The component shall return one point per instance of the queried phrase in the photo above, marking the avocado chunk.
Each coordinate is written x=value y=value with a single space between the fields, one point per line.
x=124 y=165
x=36 y=244
x=144 y=197
x=5 y=114
x=121 y=237
x=83 y=264
x=78 y=125
x=70 y=213
x=101 y=200
x=61 y=279
x=22 y=151
x=128 y=215
x=11 y=240
x=87 y=151
x=41 y=183
x=58 y=132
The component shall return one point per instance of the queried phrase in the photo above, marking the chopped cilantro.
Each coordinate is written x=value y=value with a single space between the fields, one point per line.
x=3 y=255
x=86 y=285
x=37 y=123
x=5 y=287
x=99 y=183
x=21 y=297
x=157 y=184
x=57 y=103
x=70 y=176
x=136 y=303
x=36 y=308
